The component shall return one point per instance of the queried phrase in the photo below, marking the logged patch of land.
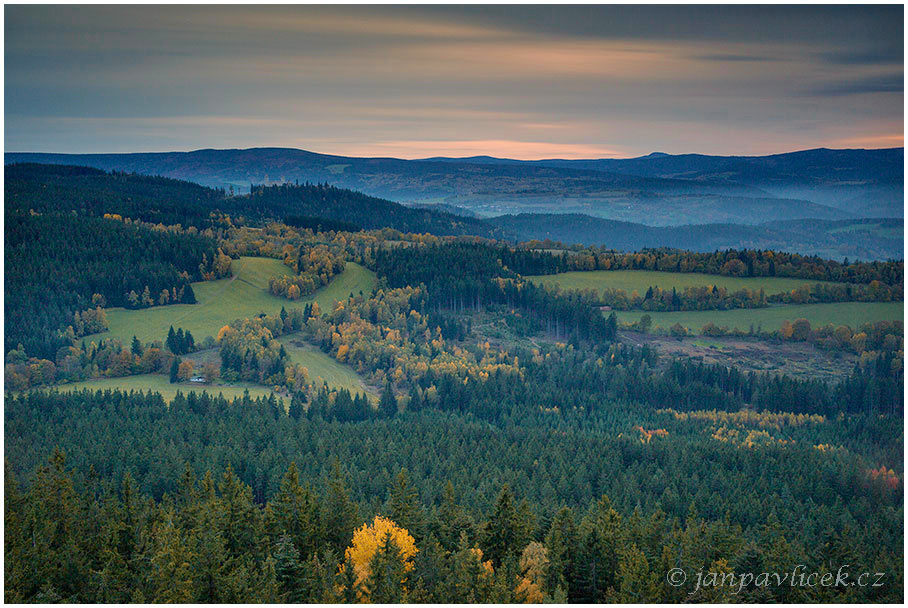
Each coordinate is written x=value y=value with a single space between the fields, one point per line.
x=771 y=318
x=641 y=280
x=160 y=384
x=220 y=302
x=798 y=359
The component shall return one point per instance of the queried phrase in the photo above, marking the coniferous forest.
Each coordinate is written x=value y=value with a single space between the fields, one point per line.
x=509 y=443
x=459 y=304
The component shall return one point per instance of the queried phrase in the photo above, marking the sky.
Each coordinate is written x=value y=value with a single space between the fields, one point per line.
x=421 y=81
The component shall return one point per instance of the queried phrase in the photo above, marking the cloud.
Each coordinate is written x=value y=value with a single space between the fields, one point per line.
x=889 y=55
x=887 y=83
x=524 y=150
x=893 y=140
x=730 y=57
x=531 y=81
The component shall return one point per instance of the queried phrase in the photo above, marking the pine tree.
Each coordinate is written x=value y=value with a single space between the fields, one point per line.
x=351 y=590
x=267 y=589
x=241 y=519
x=387 y=574
x=405 y=506
x=211 y=566
x=502 y=532
x=339 y=512
x=635 y=585
x=170 y=572
x=286 y=560
x=295 y=410
x=387 y=405
x=600 y=544
x=414 y=403
x=295 y=511
x=611 y=327
x=430 y=576
x=175 y=370
x=471 y=575
x=452 y=520
x=560 y=542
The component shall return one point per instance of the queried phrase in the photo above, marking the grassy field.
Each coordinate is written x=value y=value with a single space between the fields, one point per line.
x=641 y=280
x=160 y=384
x=320 y=365
x=225 y=300
x=853 y=314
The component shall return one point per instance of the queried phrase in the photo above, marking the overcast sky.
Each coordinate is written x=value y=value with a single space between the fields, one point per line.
x=412 y=82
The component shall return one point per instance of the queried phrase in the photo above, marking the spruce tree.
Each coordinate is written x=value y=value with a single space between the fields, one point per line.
x=387 y=405
x=404 y=505
x=136 y=347
x=387 y=574
x=339 y=512
x=501 y=533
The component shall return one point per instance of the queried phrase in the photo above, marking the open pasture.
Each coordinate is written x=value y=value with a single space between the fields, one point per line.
x=219 y=302
x=853 y=314
x=336 y=375
x=641 y=280
x=160 y=384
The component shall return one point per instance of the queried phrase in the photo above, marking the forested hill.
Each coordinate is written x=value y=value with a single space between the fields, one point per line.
x=93 y=192
x=486 y=189
x=863 y=239
x=866 y=182
x=365 y=211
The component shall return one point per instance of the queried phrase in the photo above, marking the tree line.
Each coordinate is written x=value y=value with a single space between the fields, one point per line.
x=603 y=516
x=100 y=262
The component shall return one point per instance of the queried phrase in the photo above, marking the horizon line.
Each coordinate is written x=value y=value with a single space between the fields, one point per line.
x=443 y=157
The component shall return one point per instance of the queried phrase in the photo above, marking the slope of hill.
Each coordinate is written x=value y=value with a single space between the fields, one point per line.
x=93 y=192
x=484 y=188
x=866 y=182
x=865 y=239
x=219 y=302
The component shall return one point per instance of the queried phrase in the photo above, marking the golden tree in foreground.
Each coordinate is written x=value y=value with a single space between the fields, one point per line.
x=369 y=538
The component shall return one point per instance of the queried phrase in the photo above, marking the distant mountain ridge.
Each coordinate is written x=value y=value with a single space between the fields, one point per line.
x=872 y=179
x=90 y=191
x=864 y=239
x=657 y=189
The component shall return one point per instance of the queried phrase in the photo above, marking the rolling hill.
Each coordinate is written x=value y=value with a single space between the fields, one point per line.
x=484 y=187
x=865 y=239
x=89 y=191
x=868 y=183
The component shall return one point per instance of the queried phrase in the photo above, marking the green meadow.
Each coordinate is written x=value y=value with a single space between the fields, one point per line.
x=322 y=366
x=853 y=314
x=641 y=280
x=219 y=302
x=160 y=384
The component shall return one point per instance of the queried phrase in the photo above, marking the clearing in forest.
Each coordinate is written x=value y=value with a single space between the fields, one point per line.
x=320 y=365
x=771 y=318
x=220 y=302
x=641 y=280
x=160 y=384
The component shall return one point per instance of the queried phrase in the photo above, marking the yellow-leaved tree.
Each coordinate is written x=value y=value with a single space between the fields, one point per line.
x=368 y=539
